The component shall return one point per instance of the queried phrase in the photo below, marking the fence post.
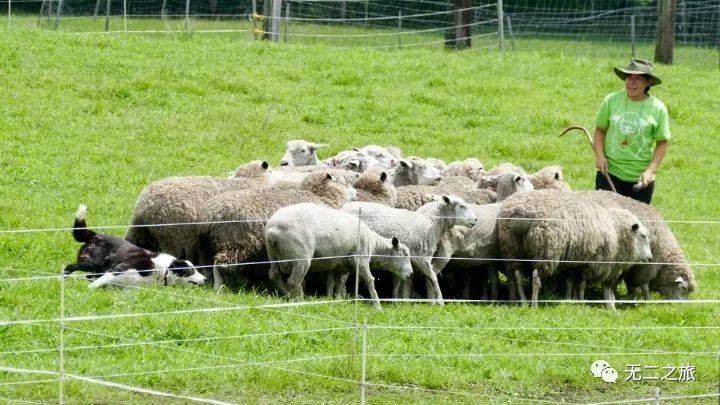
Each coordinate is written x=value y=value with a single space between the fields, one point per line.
x=125 y=15
x=399 y=29
x=107 y=15
x=61 y=348
x=187 y=15
x=657 y=395
x=163 y=10
x=512 y=36
x=275 y=25
x=501 y=29
x=683 y=23
x=287 y=19
x=9 y=12
x=632 y=34
x=254 y=21
x=57 y=15
x=363 y=377
x=366 y=12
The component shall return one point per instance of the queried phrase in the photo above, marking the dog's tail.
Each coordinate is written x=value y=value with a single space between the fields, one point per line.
x=80 y=231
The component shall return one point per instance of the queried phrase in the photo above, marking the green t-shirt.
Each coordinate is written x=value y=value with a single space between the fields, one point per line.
x=632 y=129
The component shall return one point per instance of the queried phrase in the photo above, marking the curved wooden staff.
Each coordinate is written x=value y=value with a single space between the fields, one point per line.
x=592 y=145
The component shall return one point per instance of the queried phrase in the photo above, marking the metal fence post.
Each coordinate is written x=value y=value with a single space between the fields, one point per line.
x=287 y=19
x=107 y=15
x=61 y=348
x=187 y=15
x=399 y=29
x=125 y=15
x=501 y=29
x=512 y=36
x=363 y=377
x=57 y=15
x=632 y=34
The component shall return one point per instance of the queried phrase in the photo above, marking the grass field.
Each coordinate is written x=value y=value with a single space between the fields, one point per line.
x=94 y=118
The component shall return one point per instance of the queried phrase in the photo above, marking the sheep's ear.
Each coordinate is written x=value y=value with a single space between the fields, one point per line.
x=518 y=179
x=446 y=199
x=328 y=176
x=406 y=164
x=635 y=227
x=395 y=242
x=557 y=175
x=264 y=164
x=356 y=149
x=383 y=176
x=316 y=146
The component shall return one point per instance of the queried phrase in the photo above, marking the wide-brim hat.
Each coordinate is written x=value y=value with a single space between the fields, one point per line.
x=638 y=67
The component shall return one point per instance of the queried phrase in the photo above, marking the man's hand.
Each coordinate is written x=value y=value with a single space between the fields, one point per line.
x=647 y=177
x=601 y=164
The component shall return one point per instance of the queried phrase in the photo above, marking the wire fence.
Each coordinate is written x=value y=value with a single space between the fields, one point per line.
x=83 y=334
x=388 y=24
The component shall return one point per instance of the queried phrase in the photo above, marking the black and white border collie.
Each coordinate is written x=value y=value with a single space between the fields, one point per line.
x=113 y=261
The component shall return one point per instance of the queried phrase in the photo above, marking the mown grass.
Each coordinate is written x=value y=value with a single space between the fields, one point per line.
x=94 y=118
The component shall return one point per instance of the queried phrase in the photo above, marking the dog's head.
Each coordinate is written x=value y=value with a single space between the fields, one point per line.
x=178 y=271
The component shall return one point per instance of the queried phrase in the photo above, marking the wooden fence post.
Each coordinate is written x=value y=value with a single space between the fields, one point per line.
x=665 y=40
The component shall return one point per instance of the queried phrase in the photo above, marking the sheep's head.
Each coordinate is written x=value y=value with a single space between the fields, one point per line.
x=253 y=169
x=301 y=153
x=457 y=211
x=384 y=156
x=421 y=172
x=674 y=281
x=550 y=177
x=641 y=239
x=398 y=261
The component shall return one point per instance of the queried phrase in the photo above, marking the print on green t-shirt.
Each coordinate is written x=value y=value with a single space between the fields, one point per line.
x=632 y=127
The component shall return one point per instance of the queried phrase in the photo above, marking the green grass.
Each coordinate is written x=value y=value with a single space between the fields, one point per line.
x=94 y=118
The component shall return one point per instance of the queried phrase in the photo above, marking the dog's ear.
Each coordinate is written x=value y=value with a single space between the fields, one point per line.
x=183 y=254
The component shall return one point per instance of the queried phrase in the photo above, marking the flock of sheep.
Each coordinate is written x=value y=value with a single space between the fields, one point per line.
x=456 y=229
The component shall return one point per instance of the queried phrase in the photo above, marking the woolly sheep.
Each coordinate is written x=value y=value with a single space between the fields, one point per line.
x=421 y=231
x=387 y=157
x=310 y=237
x=471 y=168
x=439 y=164
x=301 y=153
x=414 y=170
x=546 y=227
x=463 y=248
x=355 y=160
x=177 y=200
x=669 y=274
x=549 y=177
x=373 y=186
x=412 y=197
x=234 y=222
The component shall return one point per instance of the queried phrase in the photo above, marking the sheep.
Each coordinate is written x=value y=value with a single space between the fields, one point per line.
x=233 y=222
x=438 y=163
x=414 y=170
x=387 y=157
x=471 y=168
x=177 y=200
x=463 y=248
x=301 y=153
x=421 y=230
x=549 y=177
x=545 y=227
x=310 y=237
x=296 y=174
x=670 y=274
x=372 y=186
x=412 y=197
x=355 y=160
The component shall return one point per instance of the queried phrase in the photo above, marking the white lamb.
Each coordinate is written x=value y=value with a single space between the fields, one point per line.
x=301 y=153
x=420 y=230
x=311 y=237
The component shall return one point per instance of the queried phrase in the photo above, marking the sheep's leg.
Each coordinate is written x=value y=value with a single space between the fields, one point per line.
x=426 y=269
x=494 y=282
x=217 y=277
x=397 y=283
x=340 y=288
x=609 y=297
x=466 y=287
x=430 y=289
x=295 y=281
x=569 y=288
x=646 y=291
x=330 y=283
x=276 y=277
x=536 y=285
x=406 y=288
x=370 y=283
x=581 y=289
x=519 y=286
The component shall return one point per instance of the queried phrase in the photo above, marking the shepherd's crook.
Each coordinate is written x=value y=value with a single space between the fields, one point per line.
x=592 y=145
